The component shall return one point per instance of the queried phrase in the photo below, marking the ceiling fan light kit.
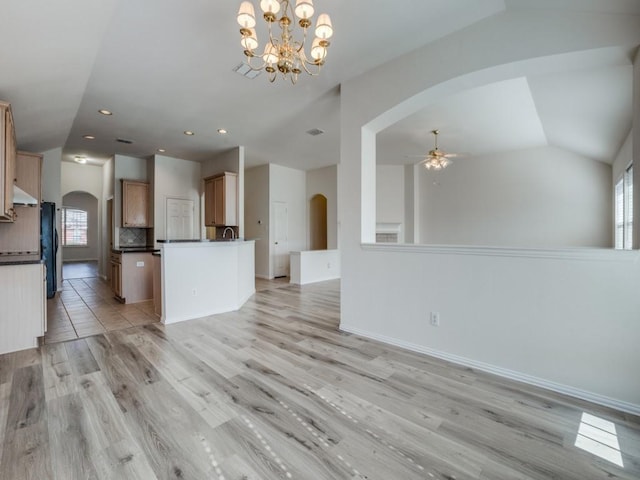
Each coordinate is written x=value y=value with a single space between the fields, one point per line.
x=437 y=159
x=284 y=51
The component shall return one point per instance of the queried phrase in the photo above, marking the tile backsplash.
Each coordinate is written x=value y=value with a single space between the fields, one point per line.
x=135 y=237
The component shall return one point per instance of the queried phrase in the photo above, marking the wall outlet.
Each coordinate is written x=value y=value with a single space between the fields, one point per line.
x=194 y=292
x=328 y=264
x=435 y=319
x=139 y=264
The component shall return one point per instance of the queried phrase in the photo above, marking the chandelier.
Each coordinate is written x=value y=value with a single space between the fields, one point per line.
x=284 y=51
x=436 y=158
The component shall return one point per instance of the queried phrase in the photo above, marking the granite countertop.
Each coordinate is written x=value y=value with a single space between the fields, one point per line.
x=19 y=260
x=139 y=249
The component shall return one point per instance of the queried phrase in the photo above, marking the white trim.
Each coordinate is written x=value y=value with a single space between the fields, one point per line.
x=591 y=254
x=502 y=372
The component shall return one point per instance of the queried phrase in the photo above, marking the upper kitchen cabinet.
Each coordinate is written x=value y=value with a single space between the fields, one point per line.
x=221 y=200
x=135 y=204
x=7 y=163
x=22 y=237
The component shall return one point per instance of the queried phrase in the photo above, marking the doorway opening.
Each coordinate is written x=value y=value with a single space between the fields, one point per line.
x=318 y=222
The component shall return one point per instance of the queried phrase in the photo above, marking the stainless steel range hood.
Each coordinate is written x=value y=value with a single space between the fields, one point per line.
x=20 y=197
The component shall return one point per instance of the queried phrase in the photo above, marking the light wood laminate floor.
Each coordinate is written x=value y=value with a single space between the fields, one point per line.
x=275 y=391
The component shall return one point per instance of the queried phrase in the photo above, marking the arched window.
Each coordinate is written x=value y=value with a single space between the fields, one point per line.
x=74 y=227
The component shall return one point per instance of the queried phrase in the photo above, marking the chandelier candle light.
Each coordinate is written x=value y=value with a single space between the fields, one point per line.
x=284 y=52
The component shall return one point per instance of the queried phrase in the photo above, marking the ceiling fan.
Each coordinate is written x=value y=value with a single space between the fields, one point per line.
x=436 y=159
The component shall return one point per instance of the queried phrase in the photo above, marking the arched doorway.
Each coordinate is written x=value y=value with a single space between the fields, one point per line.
x=318 y=222
x=79 y=238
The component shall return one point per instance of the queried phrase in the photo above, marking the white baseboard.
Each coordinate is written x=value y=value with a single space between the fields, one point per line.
x=502 y=372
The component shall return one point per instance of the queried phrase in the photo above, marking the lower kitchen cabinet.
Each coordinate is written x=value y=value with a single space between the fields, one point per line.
x=132 y=276
x=23 y=302
x=116 y=274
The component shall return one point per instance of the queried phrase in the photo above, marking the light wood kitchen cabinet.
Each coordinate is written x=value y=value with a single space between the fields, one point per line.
x=7 y=163
x=132 y=276
x=22 y=237
x=221 y=200
x=209 y=202
x=116 y=274
x=135 y=204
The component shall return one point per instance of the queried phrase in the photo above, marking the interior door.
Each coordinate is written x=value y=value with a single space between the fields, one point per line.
x=110 y=222
x=281 y=239
x=179 y=220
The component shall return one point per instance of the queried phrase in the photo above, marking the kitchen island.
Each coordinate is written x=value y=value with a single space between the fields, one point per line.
x=205 y=277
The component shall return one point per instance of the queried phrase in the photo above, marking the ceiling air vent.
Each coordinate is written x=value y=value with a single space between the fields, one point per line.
x=124 y=140
x=315 y=132
x=246 y=71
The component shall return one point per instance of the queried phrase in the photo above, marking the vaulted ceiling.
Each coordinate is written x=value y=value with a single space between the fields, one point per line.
x=166 y=66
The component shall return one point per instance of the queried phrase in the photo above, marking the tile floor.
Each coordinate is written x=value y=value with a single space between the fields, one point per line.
x=86 y=307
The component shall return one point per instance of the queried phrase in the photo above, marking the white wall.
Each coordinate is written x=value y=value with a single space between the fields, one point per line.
x=411 y=205
x=81 y=178
x=390 y=196
x=202 y=279
x=288 y=185
x=622 y=161
x=325 y=181
x=563 y=319
x=108 y=178
x=635 y=145
x=175 y=178
x=51 y=192
x=313 y=266
x=540 y=198
x=257 y=218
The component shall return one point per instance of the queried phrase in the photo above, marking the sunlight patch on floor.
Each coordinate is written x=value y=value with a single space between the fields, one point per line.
x=599 y=437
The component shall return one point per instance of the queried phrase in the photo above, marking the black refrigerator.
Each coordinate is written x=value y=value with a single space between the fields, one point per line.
x=49 y=244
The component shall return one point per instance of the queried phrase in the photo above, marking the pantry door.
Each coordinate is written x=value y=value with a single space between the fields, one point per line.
x=281 y=239
x=180 y=213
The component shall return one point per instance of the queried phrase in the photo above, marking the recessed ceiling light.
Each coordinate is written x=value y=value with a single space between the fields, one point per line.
x=80 y=159
x=89 y=137
x=222 y=131
x=189 y=132
x=161 y=150
x=105 y=112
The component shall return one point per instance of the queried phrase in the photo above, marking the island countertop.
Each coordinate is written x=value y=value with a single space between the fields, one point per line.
x=209 y=240
x=134 y=250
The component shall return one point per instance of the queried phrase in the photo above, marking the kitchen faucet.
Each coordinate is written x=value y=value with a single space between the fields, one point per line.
x=233 y=233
